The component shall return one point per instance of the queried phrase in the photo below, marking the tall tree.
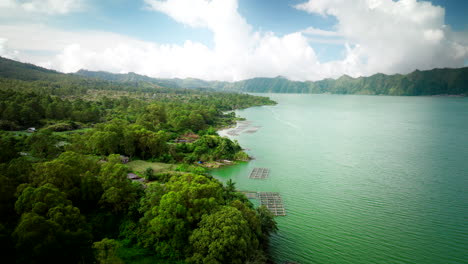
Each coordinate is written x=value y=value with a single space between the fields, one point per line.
x=188 y=197
x=51 y=229
x=222 y=237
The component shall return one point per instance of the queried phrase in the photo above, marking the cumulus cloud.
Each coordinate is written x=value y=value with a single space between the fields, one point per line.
x=238 y=52
x=316 y=35
x=41 y=6
x=378 y=36
x=320 y=32
x=5 y=51
x=393 y=37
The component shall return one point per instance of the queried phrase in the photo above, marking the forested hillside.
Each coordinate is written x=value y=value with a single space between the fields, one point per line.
x=24 y=71
x=431 y=82
x=72 y=192
x=128 y=78
x=187 y=83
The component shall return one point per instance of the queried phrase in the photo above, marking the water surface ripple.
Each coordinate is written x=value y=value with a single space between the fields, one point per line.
x=365 y=179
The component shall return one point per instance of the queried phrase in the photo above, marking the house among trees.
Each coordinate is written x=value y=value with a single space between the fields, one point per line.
x=124 y=159
x=134 y=177
x=187 y=138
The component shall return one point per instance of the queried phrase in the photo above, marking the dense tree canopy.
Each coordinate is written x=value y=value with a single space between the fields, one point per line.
x=222 y=237
x=65 y=192
x=50 y=229
x=429 y=82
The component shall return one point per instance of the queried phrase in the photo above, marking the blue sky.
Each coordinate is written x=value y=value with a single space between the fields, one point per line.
x=298 y=39
x=130 y=17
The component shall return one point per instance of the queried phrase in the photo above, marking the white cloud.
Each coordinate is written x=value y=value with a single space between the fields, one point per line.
x=232 y=34
x=238 y=51
x=320 y=32
x=51 y=7
x=393 y=37
x=7 y=3
x=316 y=35
x=378 y=35
x=39 y=37
x=5 y=51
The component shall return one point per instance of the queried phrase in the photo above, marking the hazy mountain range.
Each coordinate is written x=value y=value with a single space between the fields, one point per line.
x=431 y=82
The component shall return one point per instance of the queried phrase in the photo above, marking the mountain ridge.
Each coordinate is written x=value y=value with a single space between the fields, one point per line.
x=438 y=81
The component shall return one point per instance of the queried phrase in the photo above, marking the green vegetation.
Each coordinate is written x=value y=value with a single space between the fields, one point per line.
x=128 y=78
x=431 y=82
x=65 y=191
x=187 y=83
x=141 y=166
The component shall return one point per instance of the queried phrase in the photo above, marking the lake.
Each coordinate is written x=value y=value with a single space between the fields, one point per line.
x=364 y=179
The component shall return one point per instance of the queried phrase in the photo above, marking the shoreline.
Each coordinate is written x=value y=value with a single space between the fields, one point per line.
x=224 y=131
x=229 y=132
x=243 y=126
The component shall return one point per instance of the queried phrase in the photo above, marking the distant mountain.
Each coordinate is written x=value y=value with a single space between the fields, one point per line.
x=187 y=83
x=11 y=69
x=271 y=85
x=128 y=78
x=28 y=77
x=431 y=82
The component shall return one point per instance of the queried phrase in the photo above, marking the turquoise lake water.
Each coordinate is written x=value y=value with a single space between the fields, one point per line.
x=364 y=179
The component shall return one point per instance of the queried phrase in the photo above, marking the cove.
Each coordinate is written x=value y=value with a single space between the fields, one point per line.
x=364 y=179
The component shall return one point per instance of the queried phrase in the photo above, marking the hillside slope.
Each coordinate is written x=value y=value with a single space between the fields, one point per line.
x=430 y=82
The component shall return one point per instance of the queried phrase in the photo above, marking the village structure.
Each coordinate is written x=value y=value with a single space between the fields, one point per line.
x=187 y=138
x=134 y=177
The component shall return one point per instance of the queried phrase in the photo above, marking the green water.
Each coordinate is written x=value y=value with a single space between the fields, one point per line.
x=364 y=179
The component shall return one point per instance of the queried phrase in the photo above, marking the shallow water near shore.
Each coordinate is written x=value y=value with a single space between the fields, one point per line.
x=364 y=179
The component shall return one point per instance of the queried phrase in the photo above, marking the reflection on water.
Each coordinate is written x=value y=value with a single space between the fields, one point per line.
x=364 y=179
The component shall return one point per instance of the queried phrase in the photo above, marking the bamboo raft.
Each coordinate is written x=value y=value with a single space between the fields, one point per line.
x=272 y=201
x=259 y=173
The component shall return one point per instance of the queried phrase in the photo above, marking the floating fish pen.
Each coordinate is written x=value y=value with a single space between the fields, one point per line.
x=273 y=202
x=259 y=173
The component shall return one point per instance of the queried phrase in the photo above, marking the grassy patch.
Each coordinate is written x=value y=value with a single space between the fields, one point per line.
x=81 y=130
x=141 y=166
x=18 y=133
